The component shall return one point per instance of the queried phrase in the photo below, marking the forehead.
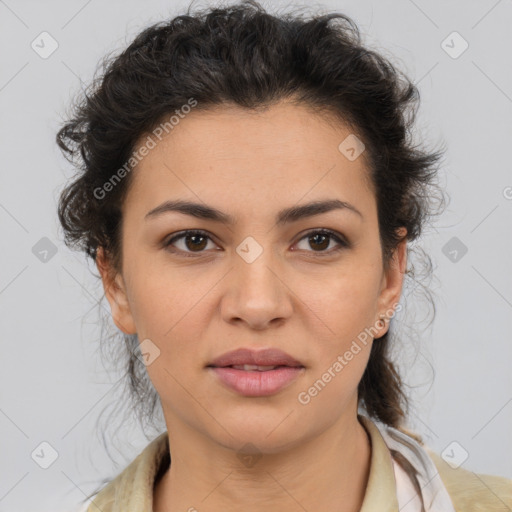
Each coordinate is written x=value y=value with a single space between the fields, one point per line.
x=231 y=154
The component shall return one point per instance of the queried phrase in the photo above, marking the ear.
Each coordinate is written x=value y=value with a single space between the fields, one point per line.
x=392 y=282
x=115 y=292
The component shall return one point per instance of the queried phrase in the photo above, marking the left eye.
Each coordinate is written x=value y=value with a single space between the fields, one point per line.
x=322 y=238
x=196 y=241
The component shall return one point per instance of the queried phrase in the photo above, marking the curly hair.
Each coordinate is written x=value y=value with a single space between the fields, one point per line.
x=242 y=55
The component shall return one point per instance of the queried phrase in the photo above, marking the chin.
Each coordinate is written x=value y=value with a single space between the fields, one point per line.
x=258 y=433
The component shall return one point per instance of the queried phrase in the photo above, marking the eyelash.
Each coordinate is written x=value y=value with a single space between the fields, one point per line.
x=343 y=244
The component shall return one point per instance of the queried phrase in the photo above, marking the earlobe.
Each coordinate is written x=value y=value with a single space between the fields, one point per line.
x=115 y=292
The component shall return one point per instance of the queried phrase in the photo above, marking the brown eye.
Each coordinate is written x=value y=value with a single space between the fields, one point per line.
x=320 y=240
x=191 y=241
x=194 y=242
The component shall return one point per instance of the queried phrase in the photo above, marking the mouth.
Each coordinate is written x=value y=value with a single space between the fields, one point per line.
x=255 y=380
x=254 y=373
x=254 y=367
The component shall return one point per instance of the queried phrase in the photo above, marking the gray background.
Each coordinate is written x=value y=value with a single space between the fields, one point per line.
x=53 y=384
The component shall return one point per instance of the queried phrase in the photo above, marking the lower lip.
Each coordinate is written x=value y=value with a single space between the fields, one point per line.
x=255 y=383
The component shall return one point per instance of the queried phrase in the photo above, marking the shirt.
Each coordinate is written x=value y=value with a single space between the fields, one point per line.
x=389 y=488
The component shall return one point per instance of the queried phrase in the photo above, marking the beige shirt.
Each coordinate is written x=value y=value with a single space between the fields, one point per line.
x=132 y=490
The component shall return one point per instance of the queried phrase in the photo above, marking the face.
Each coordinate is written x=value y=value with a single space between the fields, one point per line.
x=308 y=285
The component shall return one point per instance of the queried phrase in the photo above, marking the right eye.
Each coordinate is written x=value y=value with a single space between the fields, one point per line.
x=191 y=240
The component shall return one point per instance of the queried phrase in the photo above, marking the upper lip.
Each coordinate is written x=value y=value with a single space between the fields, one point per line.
x=265 y=357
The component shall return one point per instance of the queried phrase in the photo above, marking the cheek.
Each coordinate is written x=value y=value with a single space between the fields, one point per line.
x=161 y=298
x=172 y=318
x=344 y=311
x=341 y=355
x=344 y=302
x=172 y=312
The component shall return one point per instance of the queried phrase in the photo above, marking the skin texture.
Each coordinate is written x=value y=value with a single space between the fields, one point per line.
x=300 y=296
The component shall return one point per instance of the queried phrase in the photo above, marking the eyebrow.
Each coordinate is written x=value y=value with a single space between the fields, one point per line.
x=286 y=216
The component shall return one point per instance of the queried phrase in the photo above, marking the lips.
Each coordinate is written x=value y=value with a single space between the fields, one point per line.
x=254 y=373
x=252 y=360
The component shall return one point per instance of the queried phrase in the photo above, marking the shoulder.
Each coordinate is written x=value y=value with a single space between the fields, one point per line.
x=474 y=492
x=132 y=488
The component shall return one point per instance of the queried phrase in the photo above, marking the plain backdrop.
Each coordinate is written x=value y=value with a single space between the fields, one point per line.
x=53 y=384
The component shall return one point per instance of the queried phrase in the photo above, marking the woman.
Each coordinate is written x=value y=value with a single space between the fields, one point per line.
x=247 y=191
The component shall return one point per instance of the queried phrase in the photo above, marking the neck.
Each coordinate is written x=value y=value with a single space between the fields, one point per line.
x=327 y=472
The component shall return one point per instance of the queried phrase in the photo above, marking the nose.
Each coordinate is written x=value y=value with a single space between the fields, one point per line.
x=256 y=293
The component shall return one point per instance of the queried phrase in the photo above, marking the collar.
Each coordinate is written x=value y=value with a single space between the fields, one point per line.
x=133 y=488
x=381 y=488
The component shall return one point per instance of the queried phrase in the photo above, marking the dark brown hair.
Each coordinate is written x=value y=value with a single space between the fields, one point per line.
x=242 y=55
